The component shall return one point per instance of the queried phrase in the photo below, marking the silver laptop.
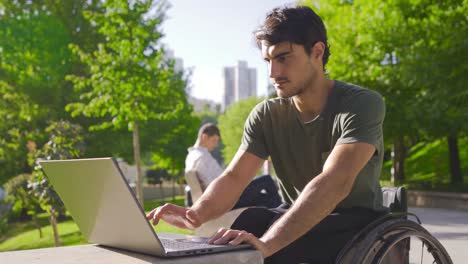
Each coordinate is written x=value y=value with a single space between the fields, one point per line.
x=105 y=209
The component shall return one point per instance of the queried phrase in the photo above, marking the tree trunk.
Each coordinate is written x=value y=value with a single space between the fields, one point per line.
x=173 y=181
x=38 y=226
x=398 y=161
x=136 y=153
x=173 y=190
x=162 y=191
x=53 y=223
x=454 y=159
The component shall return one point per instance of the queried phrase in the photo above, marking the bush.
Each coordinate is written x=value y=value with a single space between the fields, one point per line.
x=3 y=224
x=22 y=203
x=5 y=209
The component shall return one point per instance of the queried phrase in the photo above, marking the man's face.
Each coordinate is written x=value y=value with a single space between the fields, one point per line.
x=212 y=142
x=291 y=69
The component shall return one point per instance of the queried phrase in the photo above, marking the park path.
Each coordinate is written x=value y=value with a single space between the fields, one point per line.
x=450 y=227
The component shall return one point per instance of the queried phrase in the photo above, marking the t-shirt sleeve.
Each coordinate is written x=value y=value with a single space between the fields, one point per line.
x=253 y=138
x=363 y=120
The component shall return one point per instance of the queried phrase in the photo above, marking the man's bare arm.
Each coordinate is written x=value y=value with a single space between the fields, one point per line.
x=220 y=196
x=320 y=196
x=223 y=193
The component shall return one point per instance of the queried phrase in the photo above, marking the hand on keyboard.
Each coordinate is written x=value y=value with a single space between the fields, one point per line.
x=177 y=216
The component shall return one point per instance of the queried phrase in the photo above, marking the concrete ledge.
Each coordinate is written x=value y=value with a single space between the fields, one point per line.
x=457 y=201
x=92 y=254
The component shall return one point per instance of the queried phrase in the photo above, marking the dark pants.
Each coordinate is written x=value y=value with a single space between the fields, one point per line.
x=262 y=191
x=321 y=244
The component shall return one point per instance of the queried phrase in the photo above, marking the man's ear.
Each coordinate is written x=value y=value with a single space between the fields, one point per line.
x=318 y=50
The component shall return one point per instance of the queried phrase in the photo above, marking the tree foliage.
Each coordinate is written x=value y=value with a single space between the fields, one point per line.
x=34 y=59
x=129 y=83
x=170 y=149
x=18 y=118
x=231 y=125
x=129 y=79
x=65 y=142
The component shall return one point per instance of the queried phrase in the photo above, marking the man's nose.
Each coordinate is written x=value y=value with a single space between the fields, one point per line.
x=275 y=70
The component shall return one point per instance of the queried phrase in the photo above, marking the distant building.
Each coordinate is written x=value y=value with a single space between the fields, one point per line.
x=240 y=82
x=178 y=62
x=178 y=65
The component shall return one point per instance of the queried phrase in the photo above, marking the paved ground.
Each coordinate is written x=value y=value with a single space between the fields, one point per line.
x=450 y=227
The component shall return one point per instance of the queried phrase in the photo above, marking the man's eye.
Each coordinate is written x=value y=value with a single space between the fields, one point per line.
x=282 y=59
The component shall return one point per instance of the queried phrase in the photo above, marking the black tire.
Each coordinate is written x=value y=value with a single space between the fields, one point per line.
x=372 y=246
x=406 y=230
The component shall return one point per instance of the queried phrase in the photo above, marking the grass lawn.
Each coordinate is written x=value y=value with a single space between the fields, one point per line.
x=22 y=236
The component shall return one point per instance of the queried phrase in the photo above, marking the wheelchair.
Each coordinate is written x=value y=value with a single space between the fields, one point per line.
x=394 y=238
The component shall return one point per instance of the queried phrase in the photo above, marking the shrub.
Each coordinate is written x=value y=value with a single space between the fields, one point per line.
x=23 y=205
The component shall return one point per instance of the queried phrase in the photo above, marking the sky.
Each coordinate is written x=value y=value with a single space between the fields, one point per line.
x=211 y=34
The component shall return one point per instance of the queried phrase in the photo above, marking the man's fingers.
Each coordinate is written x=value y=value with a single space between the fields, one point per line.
x=216 y=236
x=227 y=237
x=158 y=212
x=165 y=210
x=242 y=237
x=178 y=216
x=150 y=214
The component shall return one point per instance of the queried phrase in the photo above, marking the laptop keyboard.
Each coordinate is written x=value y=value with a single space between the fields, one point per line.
x=184 y=244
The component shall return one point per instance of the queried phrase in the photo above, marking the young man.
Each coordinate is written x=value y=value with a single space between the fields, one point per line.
x=325 y=140
x=262 y=191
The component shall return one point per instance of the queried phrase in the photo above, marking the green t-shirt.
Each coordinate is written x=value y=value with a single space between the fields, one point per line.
x=298 y=150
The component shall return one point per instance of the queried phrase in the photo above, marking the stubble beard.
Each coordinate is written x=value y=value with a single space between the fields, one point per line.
x=298 y=89
x=288 y=94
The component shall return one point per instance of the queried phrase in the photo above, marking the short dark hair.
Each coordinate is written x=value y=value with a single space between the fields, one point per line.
x=209 y=129
x=299 y=25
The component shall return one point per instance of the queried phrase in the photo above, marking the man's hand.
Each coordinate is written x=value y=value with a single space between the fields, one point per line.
x=177 y=216
x=236 y=237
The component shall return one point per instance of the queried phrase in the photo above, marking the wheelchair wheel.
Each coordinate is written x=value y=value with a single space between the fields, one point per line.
x=394 y=240
x=406 y=242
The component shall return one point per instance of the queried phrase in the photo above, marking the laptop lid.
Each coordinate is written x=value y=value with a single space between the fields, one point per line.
x=102 y=205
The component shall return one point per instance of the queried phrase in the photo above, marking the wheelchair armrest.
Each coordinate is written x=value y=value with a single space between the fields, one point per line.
x=395 y=198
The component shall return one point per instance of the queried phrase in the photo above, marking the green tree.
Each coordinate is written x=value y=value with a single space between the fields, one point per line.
x=437 y=62
x=65 y=142
x=34 y=59
x=28 y=81
x=231 y=125
x=17 y=127
x=129 y=81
